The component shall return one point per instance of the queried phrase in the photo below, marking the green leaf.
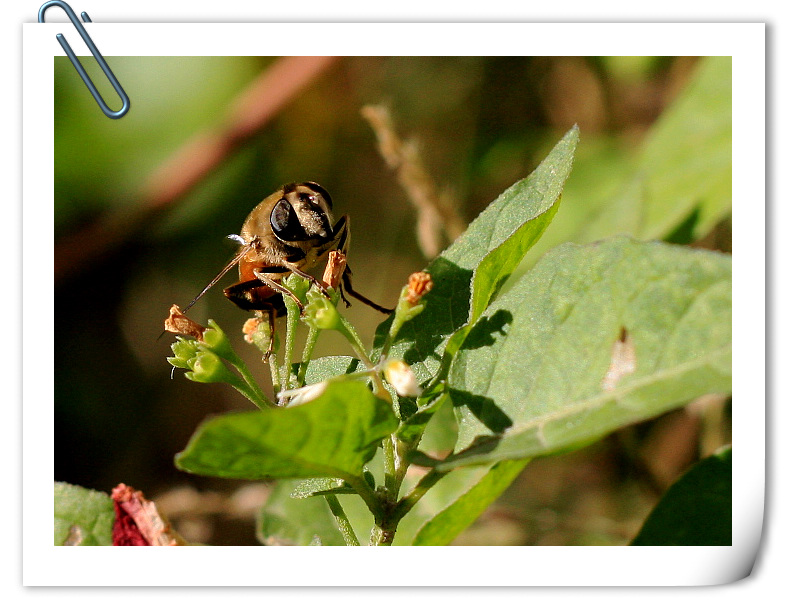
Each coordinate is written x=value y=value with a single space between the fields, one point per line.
x=331 y=436
x=684 y=169
x=697 y=509
x=413 y=427
x=534 y=374
x=446 y=491
x=313 y=487
x=83 y=517
x=497 y=240
x=675 y=185
x=324 y=368
x=523 y=213
x=452 y=521
x=285 y=520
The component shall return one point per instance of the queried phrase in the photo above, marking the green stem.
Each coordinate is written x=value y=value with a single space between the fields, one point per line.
x=389 y=467
x=342 y=521
x=382 y=535
x=251 y=383
x=309 y=346
x=408 y=501
x=394 y=329
x=366 y=493
x=258 y=399
x=276 y=381
x=293 y=315
x=348 y=331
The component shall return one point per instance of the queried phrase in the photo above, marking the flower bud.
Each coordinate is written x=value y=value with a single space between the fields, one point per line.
x=216 y=340
x=321 y=314
x=402 y=378
x=184 y=350
x=298 y=285
x=409 y=304
x=304 y=394
x=208 y=367
x=418 y=285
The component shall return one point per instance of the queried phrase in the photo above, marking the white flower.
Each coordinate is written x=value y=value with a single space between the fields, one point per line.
x=401 y=377
x=304 y=394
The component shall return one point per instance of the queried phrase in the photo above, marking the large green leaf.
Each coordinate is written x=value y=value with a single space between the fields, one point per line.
x=697 y=509
x=83 y=517
x=332 y=436
x=496 y=241
x=683 y=173
x=674 y=185
x=534 y=374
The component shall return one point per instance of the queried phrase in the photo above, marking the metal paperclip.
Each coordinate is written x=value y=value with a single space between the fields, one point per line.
x=78 y=66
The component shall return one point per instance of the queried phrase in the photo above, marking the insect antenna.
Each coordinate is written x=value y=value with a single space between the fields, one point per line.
x=221 y=274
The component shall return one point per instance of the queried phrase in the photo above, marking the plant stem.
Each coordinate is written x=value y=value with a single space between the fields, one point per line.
x=389 y=467
x=258 y=399
x=274 y=366
x=342 y=521
x=309 y=346
x=293 y=315
x=382 y=535
x=408 y=501
x=257 y=395
x=349 y=332
x=366 y=493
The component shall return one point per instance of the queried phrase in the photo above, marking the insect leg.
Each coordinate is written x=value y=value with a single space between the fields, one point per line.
x=312 y=281
x=349 y=289
x=278 y=287
x=342 y=294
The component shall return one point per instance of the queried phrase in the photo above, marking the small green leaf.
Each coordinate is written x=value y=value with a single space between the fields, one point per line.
x=440 y=497
x=332 y=436
x=534 y=374
x=497 y=239
x=83 y=517
x=413 y=427
x=697 y=509
x=313 y=487
x=325 y=368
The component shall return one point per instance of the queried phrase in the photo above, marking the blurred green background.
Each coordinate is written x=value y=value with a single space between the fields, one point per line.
x=480 y=125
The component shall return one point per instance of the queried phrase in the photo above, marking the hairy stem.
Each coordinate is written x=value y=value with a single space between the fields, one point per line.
x=311 y=340
x=293 y=315
x=342 y=521
x=253 y=391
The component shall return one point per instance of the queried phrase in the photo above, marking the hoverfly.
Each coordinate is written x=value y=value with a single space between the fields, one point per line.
x=290 y=231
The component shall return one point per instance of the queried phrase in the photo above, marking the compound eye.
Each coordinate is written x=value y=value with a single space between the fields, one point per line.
x=285 y=223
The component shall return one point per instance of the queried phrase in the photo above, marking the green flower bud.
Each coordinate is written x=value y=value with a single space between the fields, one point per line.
x=298 y=285
x=216 y=340
x=321 y=313
x=184 y=350
x=208 y=367
x=409 y=304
